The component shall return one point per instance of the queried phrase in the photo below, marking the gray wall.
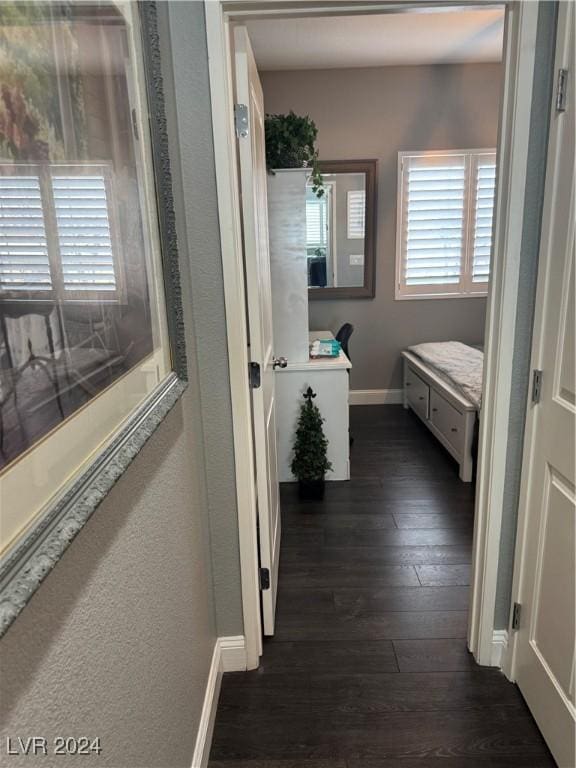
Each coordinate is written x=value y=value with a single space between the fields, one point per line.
x=375 y=113
x=117 y=641
x=190 y=129
x=539 y=124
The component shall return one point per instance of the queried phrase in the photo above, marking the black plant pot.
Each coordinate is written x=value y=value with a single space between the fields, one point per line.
x=311 y=490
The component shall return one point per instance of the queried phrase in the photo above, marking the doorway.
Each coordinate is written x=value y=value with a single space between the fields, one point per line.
x=513 y=146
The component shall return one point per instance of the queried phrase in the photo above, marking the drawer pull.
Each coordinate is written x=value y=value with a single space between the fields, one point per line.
x=434 y=410
x=454 y=429
x=421 y=397
x=408 y=384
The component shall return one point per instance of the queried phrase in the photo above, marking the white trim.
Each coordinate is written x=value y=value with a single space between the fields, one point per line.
x=520 y=37
x=217 y=34
x=499 y=647
x=209 y=707
x=233 y=650
x=375 y=397
x=229 y=655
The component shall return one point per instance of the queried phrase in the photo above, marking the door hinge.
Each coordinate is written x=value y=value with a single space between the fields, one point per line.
x=241 y=120
x=536 y=385
x=254 y=375
x=516 y=610
x=561 y=90
x=264 y=578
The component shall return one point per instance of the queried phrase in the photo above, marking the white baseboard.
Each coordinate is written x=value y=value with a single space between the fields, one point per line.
x=233 y=653
x=499 y=646
x=375 y=397
x=229 y=655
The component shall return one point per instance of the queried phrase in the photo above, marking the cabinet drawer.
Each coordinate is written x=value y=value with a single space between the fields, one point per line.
x=418 y=393
x=448 y=421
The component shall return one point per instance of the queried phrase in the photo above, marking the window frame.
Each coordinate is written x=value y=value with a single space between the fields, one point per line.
x=466 y=288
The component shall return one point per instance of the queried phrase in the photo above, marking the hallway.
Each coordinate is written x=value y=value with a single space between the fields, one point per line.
x=369 y=667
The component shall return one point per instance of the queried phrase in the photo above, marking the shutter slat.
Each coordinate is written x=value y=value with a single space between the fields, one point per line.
x=84 y=236
x=24 y=262
x=356 y=211
x=433 y=220
x=483 y=215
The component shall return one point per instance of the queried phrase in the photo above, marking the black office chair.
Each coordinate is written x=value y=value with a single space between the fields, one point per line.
x=343 y=336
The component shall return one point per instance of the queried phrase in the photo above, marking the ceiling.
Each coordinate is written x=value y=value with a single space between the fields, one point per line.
x=432 y=37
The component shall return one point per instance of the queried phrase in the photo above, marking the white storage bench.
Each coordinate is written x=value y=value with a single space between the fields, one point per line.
x=446 y=413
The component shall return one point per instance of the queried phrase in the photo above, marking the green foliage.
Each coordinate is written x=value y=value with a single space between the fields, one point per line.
x=310 y=460
x=290 y=143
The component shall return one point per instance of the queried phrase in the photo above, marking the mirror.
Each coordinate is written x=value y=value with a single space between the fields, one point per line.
x=340 y=231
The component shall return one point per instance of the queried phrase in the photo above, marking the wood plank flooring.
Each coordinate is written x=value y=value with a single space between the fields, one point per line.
x=369 y=666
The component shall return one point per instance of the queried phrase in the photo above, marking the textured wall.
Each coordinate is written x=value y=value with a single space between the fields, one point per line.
x=375 y=113
x=117 y=641
x=541 y=97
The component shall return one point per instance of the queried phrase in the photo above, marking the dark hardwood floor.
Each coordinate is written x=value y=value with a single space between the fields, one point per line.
x=369 y=666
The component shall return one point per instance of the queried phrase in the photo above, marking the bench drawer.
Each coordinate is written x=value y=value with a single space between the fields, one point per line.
x=418 y=393
x=450 y=422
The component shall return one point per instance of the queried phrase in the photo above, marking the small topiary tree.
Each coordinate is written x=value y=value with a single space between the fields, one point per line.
x=310 y=462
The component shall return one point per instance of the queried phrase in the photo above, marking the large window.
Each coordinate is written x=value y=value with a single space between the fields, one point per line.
x=444 y=237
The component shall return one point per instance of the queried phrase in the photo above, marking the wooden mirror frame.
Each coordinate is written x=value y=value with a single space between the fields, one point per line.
x=366 y=291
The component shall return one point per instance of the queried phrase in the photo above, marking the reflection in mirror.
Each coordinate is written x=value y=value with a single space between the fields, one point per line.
x=335 y=226
x=77 y=311
x=339 y=231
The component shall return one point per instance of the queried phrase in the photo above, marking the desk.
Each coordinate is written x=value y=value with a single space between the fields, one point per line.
x=329 y=378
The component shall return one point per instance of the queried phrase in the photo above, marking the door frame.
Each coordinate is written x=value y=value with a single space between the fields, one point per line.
x=519 y=57
x=561 y=60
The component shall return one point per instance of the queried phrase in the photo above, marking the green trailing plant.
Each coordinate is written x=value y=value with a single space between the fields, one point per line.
x=291 y=143
x=310 y=460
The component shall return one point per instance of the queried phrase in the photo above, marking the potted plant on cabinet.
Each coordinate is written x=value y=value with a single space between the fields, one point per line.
x=290 y=143
x=310 y=462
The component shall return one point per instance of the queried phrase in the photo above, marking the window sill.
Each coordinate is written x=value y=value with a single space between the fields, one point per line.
x=417 y=296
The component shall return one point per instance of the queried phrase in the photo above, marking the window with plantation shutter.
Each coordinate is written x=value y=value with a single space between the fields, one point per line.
x=56 y=239
x=356 y=209
x=83 y=225
x=24 y=262
x=444 y=235
x=316 y=224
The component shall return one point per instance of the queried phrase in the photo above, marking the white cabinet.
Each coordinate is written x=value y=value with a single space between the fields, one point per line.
x=288 y=262
x=330 y=381
x=289 y=280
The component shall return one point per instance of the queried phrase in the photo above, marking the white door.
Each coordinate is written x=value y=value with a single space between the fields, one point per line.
x=544 y=652
x=254 y=202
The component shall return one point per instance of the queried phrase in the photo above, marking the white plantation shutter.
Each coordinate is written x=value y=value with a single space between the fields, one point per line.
x=484 y=185
x=444 y=222
x=433 y=222
x=82 y=221
x=24 y=261
x=56 y=233
x=356 y=210
x=316 y=224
